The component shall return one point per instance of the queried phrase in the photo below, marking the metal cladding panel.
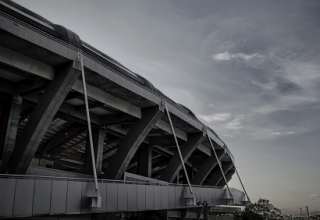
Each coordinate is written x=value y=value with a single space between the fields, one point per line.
x=199 y=195
x=150 y=197
x=42 y=197
x=59 y=196
x=164 y=197
x=179 y=196
x=23 y=198
x=141 y=202
x=85 y=189
x=157 y=197
x=209 y=194
x=74 y=197
x=112 y=196
x=217 y=196
x=171 y=197
x=203 y=194
x=132 y=197
x=238 y=195
x=103 y=193
x=122 y=197
x=7 y=188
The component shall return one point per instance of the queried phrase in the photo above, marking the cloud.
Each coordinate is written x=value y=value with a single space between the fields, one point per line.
x=227 y=56
x=235 y=123
x=280 y=133
x=314 y=196
x=277 y=84
x=218 y=117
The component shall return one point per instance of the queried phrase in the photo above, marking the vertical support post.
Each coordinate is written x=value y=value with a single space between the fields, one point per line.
x=145 y=160
x=99 y=138
x=11 y=130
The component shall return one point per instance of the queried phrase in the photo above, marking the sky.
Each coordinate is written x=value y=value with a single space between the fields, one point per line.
x=248 y=69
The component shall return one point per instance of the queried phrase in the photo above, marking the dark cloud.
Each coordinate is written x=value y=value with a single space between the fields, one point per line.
x=250 y=69
x=285 y=86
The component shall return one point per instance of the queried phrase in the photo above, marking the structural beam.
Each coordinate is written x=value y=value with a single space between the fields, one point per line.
x=25 y=63
x=7 y=86
x=117 y=118
x=130 y=143
x=206 y=168
x=97 y=67
x=163 y=140
x=229 y=174
x=11 y=130
x=40 y=69
x=163 y=150
x=229 y=166
x=71 y=113
x=145 y=160
x=71 y=131
x=164 y=126
x=216 y=173
x=109 y=100
x=42 y=116
x=109 y=153
x=44 y=171
x=187 y=149
x=99 y=136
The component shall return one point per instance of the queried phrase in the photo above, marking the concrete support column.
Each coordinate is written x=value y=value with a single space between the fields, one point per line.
x=217 y=176
x=145 y=160
x=228 y=174
x=11 y=130
x=99 y=136
x=131 y=142
x=205 y=169
x=40 y=119
x=170 y=173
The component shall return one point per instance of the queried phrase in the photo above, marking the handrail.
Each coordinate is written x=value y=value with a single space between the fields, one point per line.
x=30 y=176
